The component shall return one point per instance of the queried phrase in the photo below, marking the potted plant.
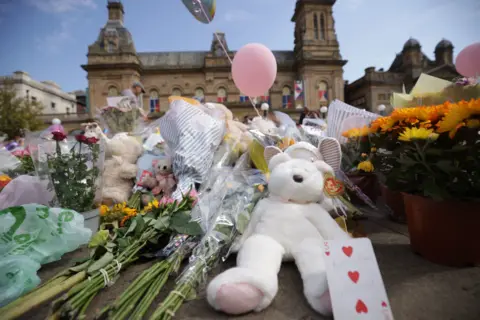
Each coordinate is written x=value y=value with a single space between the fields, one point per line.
x=438 y=170
x=357 y=155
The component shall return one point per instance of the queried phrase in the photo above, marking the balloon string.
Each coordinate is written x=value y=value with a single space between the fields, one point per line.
x=224 y=49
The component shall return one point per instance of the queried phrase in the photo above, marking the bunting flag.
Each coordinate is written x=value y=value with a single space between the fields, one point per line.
x=287 y=102
x=244 y=98
x=323 y=95
x=299 y=94
x=154 y=105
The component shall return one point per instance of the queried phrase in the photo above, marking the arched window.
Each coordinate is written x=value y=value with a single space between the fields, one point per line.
x=200 y=95
x=176 y=93
x=322 y=27
x=287 y=98
x=315 y=25
x=323 y=92
x=154 y=101
x=113 y=91
x=221 y=95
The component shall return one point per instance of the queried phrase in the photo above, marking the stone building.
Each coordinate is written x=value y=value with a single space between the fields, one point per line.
x=114 y=64
x=55 y=101
x=376 y=86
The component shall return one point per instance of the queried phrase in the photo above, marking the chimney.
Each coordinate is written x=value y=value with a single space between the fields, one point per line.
x=115 y=10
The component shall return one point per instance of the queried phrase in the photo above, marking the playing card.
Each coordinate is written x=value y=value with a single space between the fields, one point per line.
x=340 y=252
x=355 y=282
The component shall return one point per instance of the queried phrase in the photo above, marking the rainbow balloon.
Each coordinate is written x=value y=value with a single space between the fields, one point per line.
x=202 y=10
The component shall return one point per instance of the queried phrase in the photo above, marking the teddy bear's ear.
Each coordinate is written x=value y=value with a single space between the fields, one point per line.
x=278 y=159
x=331 y=152
x=270 y=152
x=323 y=167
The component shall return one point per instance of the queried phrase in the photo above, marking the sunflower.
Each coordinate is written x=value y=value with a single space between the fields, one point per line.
x=458 y=115
x=366 y=166
x=410 y=134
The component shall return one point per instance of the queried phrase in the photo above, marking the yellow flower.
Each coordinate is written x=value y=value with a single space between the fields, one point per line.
x=410 y=134
x=119 y=206
x=356 y=132
x=383 y=124
x=104 y=210
x=285 y=143
x=457 y=115
x=130 y=212
x=473 y=123
x=373 y=149
x=366 y=166
x=155 y=203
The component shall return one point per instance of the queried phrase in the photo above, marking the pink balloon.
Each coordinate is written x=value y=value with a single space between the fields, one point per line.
x=468 y=61
x=254 y=69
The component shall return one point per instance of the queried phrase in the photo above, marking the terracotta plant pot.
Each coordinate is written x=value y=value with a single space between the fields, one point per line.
x=367 y=182
x=444 y=232
x=394 y=200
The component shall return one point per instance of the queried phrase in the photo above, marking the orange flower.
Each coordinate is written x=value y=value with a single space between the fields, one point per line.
x=356 y=132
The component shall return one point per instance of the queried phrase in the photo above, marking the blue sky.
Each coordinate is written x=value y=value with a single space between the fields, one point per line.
x=49 y=38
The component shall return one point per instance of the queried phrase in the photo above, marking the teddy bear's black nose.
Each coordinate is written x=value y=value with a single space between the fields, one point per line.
x=297 y=178
x=164 y=167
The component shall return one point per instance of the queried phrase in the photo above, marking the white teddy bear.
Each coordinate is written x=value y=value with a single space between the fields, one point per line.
x=288 y=224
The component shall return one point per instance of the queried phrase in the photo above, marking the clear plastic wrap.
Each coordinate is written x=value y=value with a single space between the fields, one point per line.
x=8 y=162
x=73 y=170
x=122 y=115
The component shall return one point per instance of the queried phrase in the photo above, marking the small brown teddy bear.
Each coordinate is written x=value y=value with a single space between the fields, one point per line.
x=163 y=180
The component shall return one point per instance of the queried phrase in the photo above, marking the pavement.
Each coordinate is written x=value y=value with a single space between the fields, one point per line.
x=417 y=289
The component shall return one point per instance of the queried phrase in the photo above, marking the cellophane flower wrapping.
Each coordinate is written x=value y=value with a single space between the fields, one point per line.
x=73 y=170
x=122 y=115
x=231 y=201
x=192 y=136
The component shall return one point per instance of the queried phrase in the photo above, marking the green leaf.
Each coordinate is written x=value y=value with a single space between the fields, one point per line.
x=191 y=228
x=80 y=267
x=180 y=219
x=141 y=225
x=131 y=228
x=123 y=243
x=162 y=223
x=99 y=239
x=446 y=166
x=242 y=222
x=192 y=295
x=101 y=263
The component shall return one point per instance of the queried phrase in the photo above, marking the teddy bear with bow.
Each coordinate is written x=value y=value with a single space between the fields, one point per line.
x=289 y=224
x=163 y=180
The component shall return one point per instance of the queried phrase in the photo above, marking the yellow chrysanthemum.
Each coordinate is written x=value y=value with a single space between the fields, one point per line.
x=410 y=134
x=155 y=203
x=119 y=206
x=373 y=149
x=104 y=210
x=383 y=124
x=366 y=166
x=356 y=132
x=130 y=212
x=457 y=116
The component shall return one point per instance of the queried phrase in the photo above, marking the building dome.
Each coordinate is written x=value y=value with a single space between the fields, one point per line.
x=411 y=44
x=444 y=44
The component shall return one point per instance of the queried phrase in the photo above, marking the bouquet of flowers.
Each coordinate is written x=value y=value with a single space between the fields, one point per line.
x=121 y=115
x=73 y=169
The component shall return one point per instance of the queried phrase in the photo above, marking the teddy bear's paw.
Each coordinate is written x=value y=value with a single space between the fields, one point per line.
x=241 y=290
x=238 y=298
x=317 y=294
x=323 y=304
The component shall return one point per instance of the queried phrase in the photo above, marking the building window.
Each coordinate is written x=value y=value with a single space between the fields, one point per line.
x=382 y=97
x=200 y=95
x=315 y=25
x=287 y=97
x=176 y=93
x=244 y=98
x=113 y=91
x=53 y=105
x=323 y=92
x=34 y=99
x=222 y=95
x=154 y=101
x=68 y=110
x=265 y=98
x=322 y=27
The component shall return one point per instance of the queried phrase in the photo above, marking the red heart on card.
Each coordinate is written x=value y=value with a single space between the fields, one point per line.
x=348 y=251
x=327 y=253
x=354 y=276
x=361 y=307
x=384 y=304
